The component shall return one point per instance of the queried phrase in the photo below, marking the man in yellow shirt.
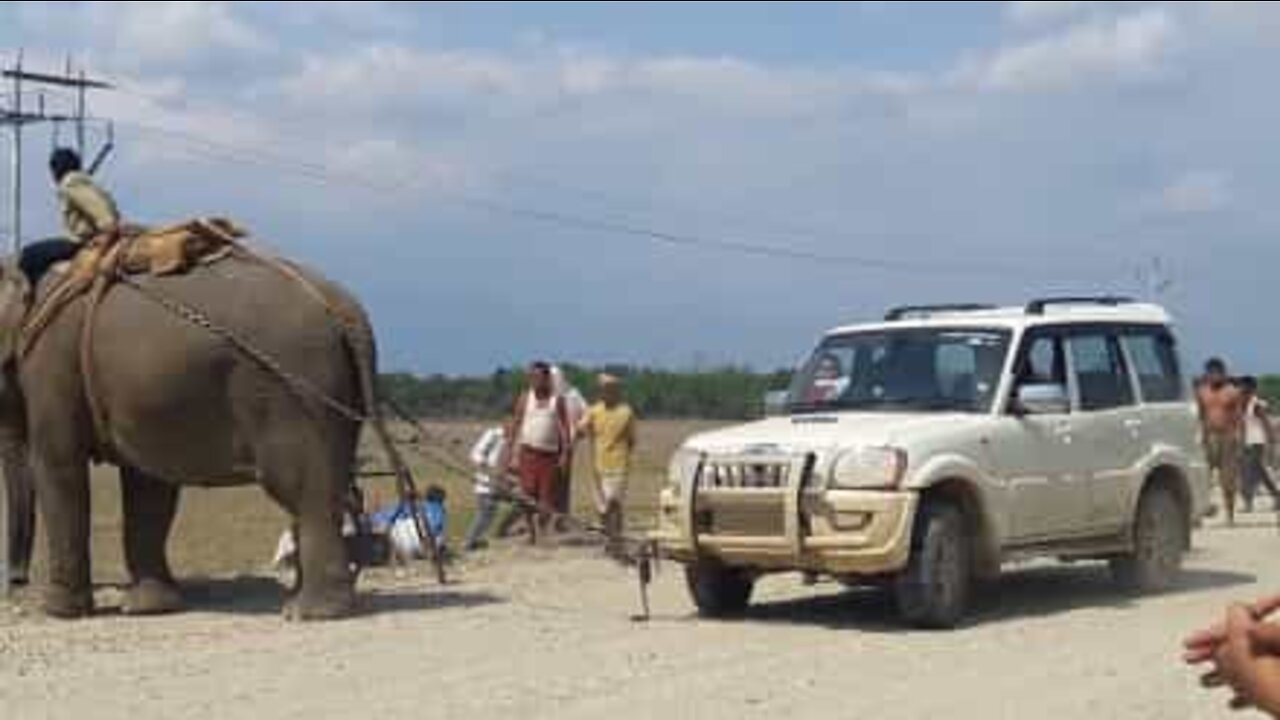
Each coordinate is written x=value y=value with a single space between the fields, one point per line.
x=610 y=424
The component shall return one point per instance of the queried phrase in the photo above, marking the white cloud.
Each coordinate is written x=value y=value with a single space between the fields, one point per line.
x=1040 y=12
x=1196 y=191
x=164 y=33
x=389 y=77
x=380 y=162
x=1128 y=47
x=380 y=76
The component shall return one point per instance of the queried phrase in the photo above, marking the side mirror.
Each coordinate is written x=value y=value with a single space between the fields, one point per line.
x=775 y=403
x=1042 y=399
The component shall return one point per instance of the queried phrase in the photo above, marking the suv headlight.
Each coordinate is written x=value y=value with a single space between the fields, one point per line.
x=870 y=468
x=684 y=463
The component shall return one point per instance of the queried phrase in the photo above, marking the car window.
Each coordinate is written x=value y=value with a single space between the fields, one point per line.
x=910 y=369
x=1042 y=362
x=1100 y=372
x=1155 y=360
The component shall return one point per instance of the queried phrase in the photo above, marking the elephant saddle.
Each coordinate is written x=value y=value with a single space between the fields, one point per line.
x=133 y=251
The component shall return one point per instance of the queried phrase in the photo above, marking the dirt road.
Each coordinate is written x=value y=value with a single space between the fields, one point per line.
x=534 y=634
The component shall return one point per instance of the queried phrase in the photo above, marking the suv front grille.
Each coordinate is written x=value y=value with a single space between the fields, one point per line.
x=746 y=476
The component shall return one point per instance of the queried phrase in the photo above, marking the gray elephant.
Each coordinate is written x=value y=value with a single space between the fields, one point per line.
x=181 y=405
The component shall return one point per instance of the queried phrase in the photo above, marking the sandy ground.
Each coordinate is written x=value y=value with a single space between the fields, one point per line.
x=547 y=633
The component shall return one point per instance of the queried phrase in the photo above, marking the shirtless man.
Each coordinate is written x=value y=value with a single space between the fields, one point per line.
x=1222 y=405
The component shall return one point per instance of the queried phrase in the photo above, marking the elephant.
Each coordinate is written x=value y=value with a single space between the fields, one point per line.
x=182 y=404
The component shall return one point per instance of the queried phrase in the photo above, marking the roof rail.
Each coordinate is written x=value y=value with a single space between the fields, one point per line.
x=1037 y=307
x=905 y=311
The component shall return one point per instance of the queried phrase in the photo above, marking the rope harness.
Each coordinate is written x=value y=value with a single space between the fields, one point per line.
x=103 y=268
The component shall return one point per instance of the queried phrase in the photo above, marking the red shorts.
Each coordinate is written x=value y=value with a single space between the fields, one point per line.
x=538 y=472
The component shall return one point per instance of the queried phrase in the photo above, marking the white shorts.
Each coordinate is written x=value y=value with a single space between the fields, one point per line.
x=613 y=488
x=404 y=538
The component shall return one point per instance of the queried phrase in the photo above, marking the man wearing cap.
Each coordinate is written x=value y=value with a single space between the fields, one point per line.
x=610 y=424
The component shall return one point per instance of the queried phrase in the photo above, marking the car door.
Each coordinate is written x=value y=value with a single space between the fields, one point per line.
x=1029 y=453
x=1164 y=417
x=1109 y=427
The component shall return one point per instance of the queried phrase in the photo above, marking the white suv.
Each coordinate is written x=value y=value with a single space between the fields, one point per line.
x=926 y=450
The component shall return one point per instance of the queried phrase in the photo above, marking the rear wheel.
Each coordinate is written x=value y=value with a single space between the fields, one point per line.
x=933 y=590
x=1159 y=542
x=718 y=591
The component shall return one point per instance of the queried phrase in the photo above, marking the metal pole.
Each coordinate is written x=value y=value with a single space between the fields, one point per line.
x=15 y=186
x=16 y=189
x=80 y=92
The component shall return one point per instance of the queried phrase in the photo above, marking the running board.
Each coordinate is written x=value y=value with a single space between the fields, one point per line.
x=1083 y=549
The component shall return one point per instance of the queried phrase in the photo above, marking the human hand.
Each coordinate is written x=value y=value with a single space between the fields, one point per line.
x=1201 y=646
x=1247 y=663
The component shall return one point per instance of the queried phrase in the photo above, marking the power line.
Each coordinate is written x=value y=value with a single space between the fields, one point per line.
x=323 y=173
x=629 y=227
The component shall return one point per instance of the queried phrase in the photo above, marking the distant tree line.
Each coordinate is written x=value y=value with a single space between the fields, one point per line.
x=728 y=393
x=1269 y=389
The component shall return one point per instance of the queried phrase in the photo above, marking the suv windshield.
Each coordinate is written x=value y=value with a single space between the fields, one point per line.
x=923 y=369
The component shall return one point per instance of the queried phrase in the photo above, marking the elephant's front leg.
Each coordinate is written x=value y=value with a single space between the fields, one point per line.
x=22 y=508
x=149 y=509
x=63 y=498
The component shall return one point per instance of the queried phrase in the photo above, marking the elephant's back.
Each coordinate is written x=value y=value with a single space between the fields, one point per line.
x=184 y=352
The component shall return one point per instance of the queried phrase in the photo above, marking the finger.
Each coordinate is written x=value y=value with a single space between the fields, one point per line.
x=1208 y=637
x=1212 y=680
x=1266 y=606
x=1198 y=656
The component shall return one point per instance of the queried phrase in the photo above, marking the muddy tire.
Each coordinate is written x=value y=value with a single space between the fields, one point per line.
x=718 y=591
x=933 y=591
x=1159 y=542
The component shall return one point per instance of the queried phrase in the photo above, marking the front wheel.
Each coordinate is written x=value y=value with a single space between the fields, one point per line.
x=718 y=591
x=933 y=590
x=1159 y=541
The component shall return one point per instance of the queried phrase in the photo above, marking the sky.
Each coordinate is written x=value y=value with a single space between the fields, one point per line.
x=691 y=184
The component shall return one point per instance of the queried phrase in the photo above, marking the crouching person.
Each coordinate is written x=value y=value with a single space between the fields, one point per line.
x=402 y=531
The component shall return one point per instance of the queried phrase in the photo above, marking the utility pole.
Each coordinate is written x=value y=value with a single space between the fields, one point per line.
x=1154 y=279
x=16 y=117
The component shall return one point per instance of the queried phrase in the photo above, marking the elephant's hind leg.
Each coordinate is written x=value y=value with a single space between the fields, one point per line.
x=149 y=509
x=312 y=485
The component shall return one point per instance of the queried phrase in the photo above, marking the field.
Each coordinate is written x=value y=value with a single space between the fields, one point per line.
x=230 y=531
x=548 y=633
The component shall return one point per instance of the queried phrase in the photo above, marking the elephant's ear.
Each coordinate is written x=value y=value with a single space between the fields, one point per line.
x=15 y=296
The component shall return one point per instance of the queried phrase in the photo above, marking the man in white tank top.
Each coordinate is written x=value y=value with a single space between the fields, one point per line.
x=1259 y=442
x=539 y=440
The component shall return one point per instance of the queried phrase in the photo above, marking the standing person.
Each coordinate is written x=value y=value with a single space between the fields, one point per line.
x=1222 y=428
x=486 y=456
x=610 y=424
x=537 y=440
x=575 y=408
x=1259 y=446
